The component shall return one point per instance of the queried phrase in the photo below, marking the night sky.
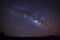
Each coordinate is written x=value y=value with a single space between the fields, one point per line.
x=30 y=18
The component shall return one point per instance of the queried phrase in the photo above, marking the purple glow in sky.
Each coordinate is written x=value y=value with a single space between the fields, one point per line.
x=29 y=19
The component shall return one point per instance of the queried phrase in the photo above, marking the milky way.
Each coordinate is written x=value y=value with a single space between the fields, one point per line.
x=29 y=19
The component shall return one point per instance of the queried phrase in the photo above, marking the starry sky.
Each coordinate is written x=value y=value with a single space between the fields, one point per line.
x=30 y=18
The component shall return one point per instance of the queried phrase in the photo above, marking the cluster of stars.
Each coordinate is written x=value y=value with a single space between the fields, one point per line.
x=36 y=21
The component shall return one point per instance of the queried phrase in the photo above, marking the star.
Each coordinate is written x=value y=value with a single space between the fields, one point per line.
x=25 y=16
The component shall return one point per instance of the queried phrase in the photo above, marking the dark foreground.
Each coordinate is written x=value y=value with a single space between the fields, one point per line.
x=50 y=37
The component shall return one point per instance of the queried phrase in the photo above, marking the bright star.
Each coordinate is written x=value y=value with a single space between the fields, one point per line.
x=35 y=21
